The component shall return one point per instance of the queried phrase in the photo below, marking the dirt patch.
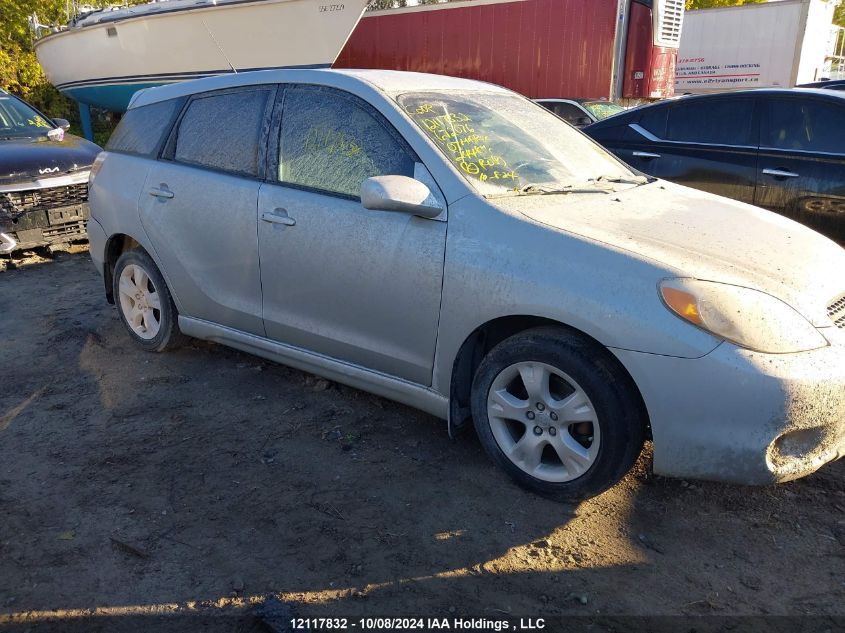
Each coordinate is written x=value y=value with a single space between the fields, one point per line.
x=134 y=481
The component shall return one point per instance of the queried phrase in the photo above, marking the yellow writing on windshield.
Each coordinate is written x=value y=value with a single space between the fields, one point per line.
x=38 y=121
x=461 y=137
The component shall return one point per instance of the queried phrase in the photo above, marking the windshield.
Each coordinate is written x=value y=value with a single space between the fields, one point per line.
x=603 y=109
x=505 y=143
x=18 y=120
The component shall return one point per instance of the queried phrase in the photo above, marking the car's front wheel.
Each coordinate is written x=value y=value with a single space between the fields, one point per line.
x=557 y=413
x=144 y=302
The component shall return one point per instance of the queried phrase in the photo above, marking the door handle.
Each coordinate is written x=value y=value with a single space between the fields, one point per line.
x=278 y=216
x=161 y=192
x=646 y=155
x=780 y=173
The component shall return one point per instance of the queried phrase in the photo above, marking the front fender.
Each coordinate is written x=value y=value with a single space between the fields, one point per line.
x=501 y=264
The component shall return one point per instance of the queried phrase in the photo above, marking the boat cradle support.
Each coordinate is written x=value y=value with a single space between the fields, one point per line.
x=85 y=120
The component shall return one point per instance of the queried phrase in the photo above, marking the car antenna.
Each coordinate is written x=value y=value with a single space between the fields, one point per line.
x=220 y=48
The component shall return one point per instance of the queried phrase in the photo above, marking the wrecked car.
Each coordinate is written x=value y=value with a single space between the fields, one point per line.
x=456 y=247
x=43 y=179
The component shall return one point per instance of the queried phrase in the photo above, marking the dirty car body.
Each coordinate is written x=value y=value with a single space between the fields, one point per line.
x=453 y=246
x=43 y=179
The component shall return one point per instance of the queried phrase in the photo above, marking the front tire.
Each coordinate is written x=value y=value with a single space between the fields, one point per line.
x=558 y=413
x=143 y=300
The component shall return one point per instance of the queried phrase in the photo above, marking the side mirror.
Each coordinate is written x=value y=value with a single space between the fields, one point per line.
x=583 y=121
x=399 y=193
x=62 y=123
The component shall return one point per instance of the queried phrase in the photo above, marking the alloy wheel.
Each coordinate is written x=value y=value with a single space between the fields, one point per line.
x=140 y=302
x=543 y=421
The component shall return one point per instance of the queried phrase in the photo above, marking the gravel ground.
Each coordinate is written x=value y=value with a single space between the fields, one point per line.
x=201 y=481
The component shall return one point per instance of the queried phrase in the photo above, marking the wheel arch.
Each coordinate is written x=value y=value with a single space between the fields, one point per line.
x=484 y=338
x=116 y=245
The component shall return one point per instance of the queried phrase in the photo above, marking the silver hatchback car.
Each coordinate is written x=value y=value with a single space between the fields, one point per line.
x=451 y=245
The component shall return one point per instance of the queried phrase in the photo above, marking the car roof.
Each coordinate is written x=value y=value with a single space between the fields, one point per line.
x=388 y=81
x=823 y=84
x=760 y=91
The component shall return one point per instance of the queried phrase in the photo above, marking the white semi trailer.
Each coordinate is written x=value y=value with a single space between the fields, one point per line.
x=777 y=44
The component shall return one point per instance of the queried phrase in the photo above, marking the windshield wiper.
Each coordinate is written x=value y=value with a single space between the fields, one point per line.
x=534 y=189
x=625 y=180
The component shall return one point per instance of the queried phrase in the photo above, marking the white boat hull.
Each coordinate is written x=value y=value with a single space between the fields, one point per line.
x=105 y=64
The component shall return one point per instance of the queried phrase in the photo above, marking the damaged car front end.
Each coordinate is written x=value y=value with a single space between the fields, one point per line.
x=43 y=179
x=43 y=212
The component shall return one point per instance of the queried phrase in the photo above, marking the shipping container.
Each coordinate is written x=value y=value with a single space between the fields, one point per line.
x=595 y=49
x=770 y=45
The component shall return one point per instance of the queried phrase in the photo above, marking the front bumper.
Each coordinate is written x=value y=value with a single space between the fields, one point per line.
x=43 y=212
x=744 y=417
x=60 y=226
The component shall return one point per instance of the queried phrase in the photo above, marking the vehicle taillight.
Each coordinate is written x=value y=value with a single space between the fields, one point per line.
x=98 y=162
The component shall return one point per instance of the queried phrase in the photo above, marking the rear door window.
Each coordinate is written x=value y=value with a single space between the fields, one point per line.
x=142 y=130
x=712 y=121
x=804 y=125
x=332 y=142
x=224 y=131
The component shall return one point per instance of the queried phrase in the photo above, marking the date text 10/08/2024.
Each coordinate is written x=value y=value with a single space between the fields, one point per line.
x=417 y=624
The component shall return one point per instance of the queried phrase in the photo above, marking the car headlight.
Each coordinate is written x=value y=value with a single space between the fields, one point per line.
x=749 y=318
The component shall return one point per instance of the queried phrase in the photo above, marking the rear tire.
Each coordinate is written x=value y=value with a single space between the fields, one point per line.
x=144 y=303
x=558 y=413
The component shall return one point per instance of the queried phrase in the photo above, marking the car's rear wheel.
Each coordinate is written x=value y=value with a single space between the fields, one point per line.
x=144 y=302
x=557 y=413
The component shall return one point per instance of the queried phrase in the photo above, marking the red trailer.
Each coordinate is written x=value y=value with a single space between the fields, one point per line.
x=610 y=49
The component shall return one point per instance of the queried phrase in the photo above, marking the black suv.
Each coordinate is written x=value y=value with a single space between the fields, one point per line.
x=43 y=178
x=783 y=150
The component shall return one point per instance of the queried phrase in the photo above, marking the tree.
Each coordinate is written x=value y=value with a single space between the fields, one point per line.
x=378 y=5
x=710 y=4
x=20 y=72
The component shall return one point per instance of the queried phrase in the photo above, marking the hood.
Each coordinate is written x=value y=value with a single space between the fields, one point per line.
x=25 y=159
x=701 y=235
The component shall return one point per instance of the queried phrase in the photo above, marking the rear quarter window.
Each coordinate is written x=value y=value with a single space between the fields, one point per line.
x=142 y=130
